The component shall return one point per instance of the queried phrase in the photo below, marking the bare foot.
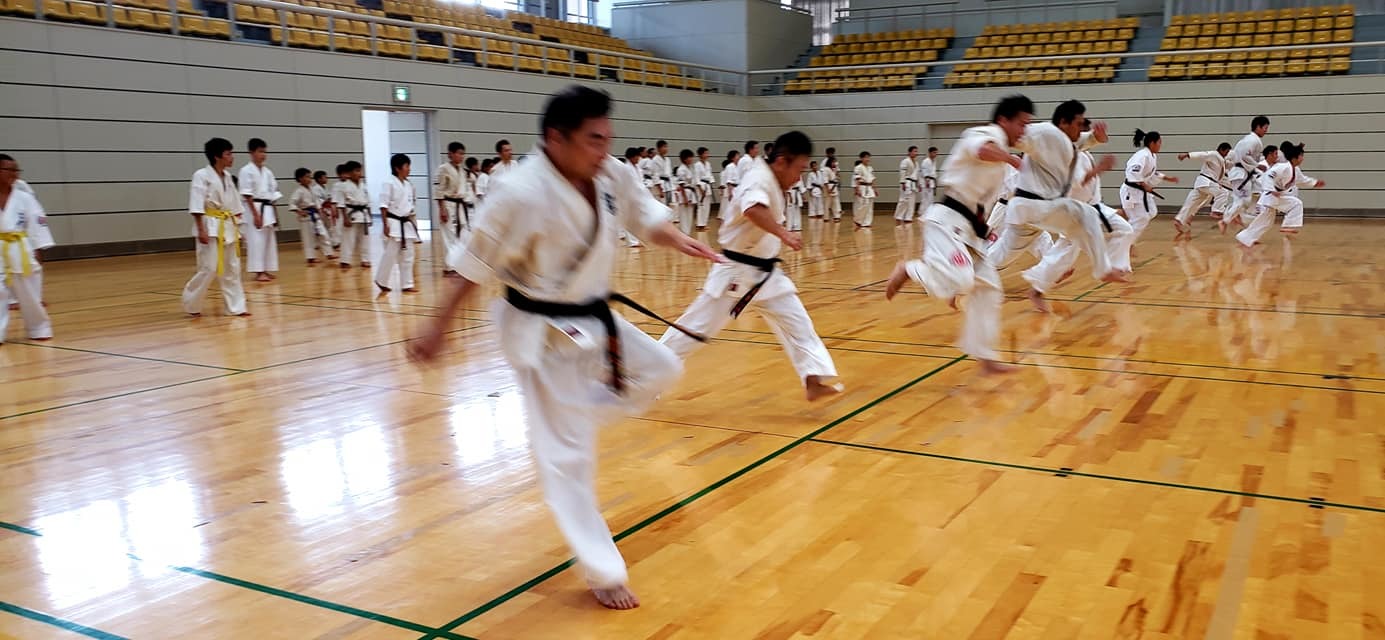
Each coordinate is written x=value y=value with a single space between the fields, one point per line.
x=14 y=306
x=273 y=276
x=1180 y=227
x=1221 y=226
x=953 y=303
x=1036 y=298
x=816 y=389
x=896 y=281
x=42 y=339
x=246 y=314
x=194 y=315
x=1289 y=233
x=263 y=277
x=312 y=260
x=365 y=265
x=345 y=266
x=383 y=288
x=618 y=598
x=1066 y=274
x=409 y=290
x=995 y=367
x=1115 y=276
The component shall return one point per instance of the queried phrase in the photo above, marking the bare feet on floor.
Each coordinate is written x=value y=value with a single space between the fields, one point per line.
x=1036 y=298
x=1066 y=274
x=263 y=277
x=995 y=367
x=896 y=281
x=246 y=314
x=815 y=388
x=620 y=598
x=1115 y=276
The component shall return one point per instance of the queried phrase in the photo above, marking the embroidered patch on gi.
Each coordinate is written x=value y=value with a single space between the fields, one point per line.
x=960 y=259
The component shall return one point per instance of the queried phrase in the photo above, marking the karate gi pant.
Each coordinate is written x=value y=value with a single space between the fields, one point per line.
x=685 y=213
x=704 y=210
x=1140 y=208
x=1063 y=216
x=355 y=244
x=393 y=256
x=566 y=400
x=793 y=217
x=924 y=200
x=863 y=211
x=334 y=233
x=1010 y=244
x=904 y=209
x=1198 y=197
x=313 y=235
x=1063 y=254
x=815 y=206
x=1241 y=197
x=1270 y=206
x=28 y=292
x=451 y=237
x=261 y=248
x=951 y=267
x=232 y=292
x=832 y=206
x=781 y=309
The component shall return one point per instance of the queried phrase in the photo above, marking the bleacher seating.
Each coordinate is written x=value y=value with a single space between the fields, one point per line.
x=1084 y=37
x=868 y=50
x=1317 y=28
x=311 y=31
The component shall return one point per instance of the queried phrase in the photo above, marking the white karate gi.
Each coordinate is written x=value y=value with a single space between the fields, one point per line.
x=832 y=194
x=1209 y=186
x=663 y=175
x=539 y=235
x=21 y=185
x=324 y=196
x=261 y=244
x=1057 y=260
x=312 y=224
x=684 y=197
x=996 y=218
x=706 y=187
x=501 y=169
x=928 y=183
x=1247 y=159
x=401 y=237
x=220 y=258
x=354 y=203
x=649 y=180
x=730 y=177
x=23 y=230
x=1025 y=238
x=1049 y=162
x=815 y=193
x=1141 y=206
x=450 y=181
x=744 y=164
x=1279 y=192
x=777 y=300
x=793 y=206
x=908 y=189
x=863 y=205
x=954 y=261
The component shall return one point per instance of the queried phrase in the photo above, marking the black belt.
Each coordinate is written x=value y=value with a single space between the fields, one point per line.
x=1216 y=180
x=1249 y=174
x=403 y=239
x=1104 y=222
x=601 y=310
x=764 y=264
x=466 y=211
x=263 y=201
x=353 y=208
x=1004 y=201
x=1028 y=195
x=978 y=223
x=1149 y=203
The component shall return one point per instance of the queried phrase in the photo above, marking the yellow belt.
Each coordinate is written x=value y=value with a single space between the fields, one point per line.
x=228 y=220
x=8 y=238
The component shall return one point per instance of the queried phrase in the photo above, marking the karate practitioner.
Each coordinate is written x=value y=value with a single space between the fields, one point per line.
x=685 y=192
x=1279 y=193
x=815 y=190
x=260 y=190
x=312 y=221
x=1210 y=187
x=332 y=217
x=908 y=186
x=1248 y=161
x=663 y=170
x=793 y=205
x=1142 y=176
x=23 y=233
x=928 y=180
x=752 y=153
x=355 y=199
x=863 y=180
x=548 y=233
x=706 y=187
x=483 y=180
x=216 y=210
x=1041 y=201
x=832 y=190
x=21 y=185
x=455 y=200
x=506 y=162
x=400 y=227
x=954 y=261
x=730 y=176
x=751 y=234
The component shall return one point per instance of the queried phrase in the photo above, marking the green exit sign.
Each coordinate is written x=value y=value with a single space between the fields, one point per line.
x=401 y=94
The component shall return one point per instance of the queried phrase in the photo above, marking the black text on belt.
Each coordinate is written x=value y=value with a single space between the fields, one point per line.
x=978 y=223
x=764 y=264
x=601 y=310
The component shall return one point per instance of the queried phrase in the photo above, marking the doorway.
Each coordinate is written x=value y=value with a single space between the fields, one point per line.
x=387 y=132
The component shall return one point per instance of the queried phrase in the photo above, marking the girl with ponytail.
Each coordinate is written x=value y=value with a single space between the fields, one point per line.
x=1141 y=177
x=1279 y=192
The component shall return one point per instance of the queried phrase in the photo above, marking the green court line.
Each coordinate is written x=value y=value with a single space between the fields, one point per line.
x=1204 y=378
x=122 y=355
x=118 y=395
x=1089 y=292
x=1137 y=303
x=348 y=351
x=66 y=625
x=531 y=583
x=1104 y=476
x=19 y=529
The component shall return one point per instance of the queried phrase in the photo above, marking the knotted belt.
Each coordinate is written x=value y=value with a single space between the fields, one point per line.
x=978 y=222
x=464 y=209
x=227 y=220
x=1149 y=204
x=763 y=264
x=403 y=220
x=600 y=309
x=8 y=238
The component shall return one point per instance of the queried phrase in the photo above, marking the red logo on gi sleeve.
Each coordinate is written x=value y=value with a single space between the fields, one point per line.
x=960 y=259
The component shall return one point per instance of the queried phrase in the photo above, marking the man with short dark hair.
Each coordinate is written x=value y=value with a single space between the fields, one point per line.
x=216 y=209
x=1247 y=164
x=751 y=235
x=400 y=227
x=706 y=186
x=505 y=163
x=546 y=233
x=260 y=189
x=928 y=179
x=455 y=199
x=1210 y=186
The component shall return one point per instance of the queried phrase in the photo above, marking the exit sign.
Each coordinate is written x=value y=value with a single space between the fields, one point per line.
x=401 y=94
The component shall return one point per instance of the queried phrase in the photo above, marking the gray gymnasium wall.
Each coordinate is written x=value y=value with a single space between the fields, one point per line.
x=731 y=34
x=109 y=124
x=1339 y=118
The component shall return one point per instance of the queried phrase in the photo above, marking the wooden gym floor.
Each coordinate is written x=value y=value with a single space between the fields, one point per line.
x=1197 y=454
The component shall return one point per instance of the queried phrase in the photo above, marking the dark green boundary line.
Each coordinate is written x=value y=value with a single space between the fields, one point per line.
x=19 y=529
x=531 y=583
x=66 y=625
x=123 y=355
x=1137 y=303
x=1103 y=476
x=1204 y=378
x=118 y=395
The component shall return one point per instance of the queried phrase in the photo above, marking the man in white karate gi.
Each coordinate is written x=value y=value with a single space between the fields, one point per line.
x=455 y=200
x=549 y=233
x=1248 y=163
x=908 y=186
x=928 y=180
x=1209 y=188
x=23 y=233
x=260 y=190
x=216 y=209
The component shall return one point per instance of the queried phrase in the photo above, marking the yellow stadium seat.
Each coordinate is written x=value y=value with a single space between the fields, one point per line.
x=57 y=10
x=1282 y=39
x=1344 y=22
x=88 y=13
x=1284 y=26
x=1255 y=68
x=1295 y=67
x=1215 y=70
x=1274 y=68
x=1341 y=35
x=1317 y=65
x=1339 y=65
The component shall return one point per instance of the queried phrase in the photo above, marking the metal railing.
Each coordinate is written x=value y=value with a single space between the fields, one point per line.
x=424 y=41
x=1367 y=57
x=966 y=21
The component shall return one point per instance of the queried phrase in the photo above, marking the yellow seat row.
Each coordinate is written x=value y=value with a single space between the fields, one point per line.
x=1249 y=68
x=1070 y=75
x=912 y=34
x=1025 y=65
x=1281 y=39
x=1050 y=27
x=874 y=58
x=813 y=74
x=1261 y=26
x=1241 y=56
x=1089 y=35
x=1328 y=11
x=881 y=47
x=838 y=85
x=1065 y=49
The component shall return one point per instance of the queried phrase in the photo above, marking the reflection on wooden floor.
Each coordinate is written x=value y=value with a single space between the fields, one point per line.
x=1197 y=454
